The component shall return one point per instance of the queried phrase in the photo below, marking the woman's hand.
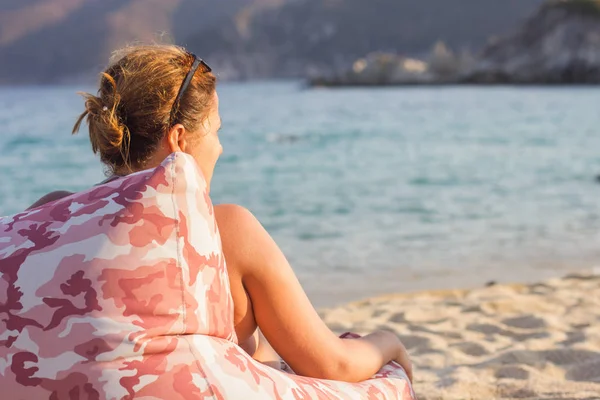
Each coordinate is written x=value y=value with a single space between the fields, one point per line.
x=403 y=359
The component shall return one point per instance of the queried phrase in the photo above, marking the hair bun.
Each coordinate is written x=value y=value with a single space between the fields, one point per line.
x=108 y=134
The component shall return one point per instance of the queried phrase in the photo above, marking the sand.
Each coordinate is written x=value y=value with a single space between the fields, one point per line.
x=539 y=341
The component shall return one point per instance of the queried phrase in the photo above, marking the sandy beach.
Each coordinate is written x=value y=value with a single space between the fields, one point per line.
x=537 y=341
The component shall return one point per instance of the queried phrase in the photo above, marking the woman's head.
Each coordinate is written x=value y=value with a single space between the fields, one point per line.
x=135 y=120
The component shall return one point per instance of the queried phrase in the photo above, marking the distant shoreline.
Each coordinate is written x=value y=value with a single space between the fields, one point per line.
x=306 y=84
x=450 y=84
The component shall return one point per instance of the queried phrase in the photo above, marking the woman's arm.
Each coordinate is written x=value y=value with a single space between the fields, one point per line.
x=265 y=352
x=285 y=315
x=59 y=194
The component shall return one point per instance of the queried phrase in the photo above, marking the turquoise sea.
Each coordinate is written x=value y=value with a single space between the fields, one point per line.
x=371 y=191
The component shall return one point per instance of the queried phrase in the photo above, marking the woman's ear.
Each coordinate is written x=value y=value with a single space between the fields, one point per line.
x=177 y=138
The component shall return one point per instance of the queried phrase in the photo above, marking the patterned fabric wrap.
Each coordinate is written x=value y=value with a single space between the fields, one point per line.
x=122 y=292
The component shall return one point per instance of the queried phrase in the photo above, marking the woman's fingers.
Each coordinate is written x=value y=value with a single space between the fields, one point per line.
x=404 y=360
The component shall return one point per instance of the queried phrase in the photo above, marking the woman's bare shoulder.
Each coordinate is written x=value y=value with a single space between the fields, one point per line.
x=238 y=228
x=52 y=196
x=233 y=212
x=236 y=222
x=241 y=233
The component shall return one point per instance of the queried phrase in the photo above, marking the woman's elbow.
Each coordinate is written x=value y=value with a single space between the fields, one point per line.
x=335 y=368
x=344 y=371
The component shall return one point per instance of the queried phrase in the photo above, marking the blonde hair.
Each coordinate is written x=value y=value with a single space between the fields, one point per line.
x=132 y=110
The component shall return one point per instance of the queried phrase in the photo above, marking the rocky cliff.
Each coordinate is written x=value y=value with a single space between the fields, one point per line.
x=560 y=44
x=59 y=40
x=314 y=37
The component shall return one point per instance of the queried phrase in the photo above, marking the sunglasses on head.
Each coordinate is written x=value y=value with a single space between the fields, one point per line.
x=186 y=82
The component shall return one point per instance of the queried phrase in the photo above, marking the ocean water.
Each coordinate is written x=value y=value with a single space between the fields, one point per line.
x=371 y=191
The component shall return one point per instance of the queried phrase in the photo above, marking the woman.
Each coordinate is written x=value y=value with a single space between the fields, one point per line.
x=156 y=100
